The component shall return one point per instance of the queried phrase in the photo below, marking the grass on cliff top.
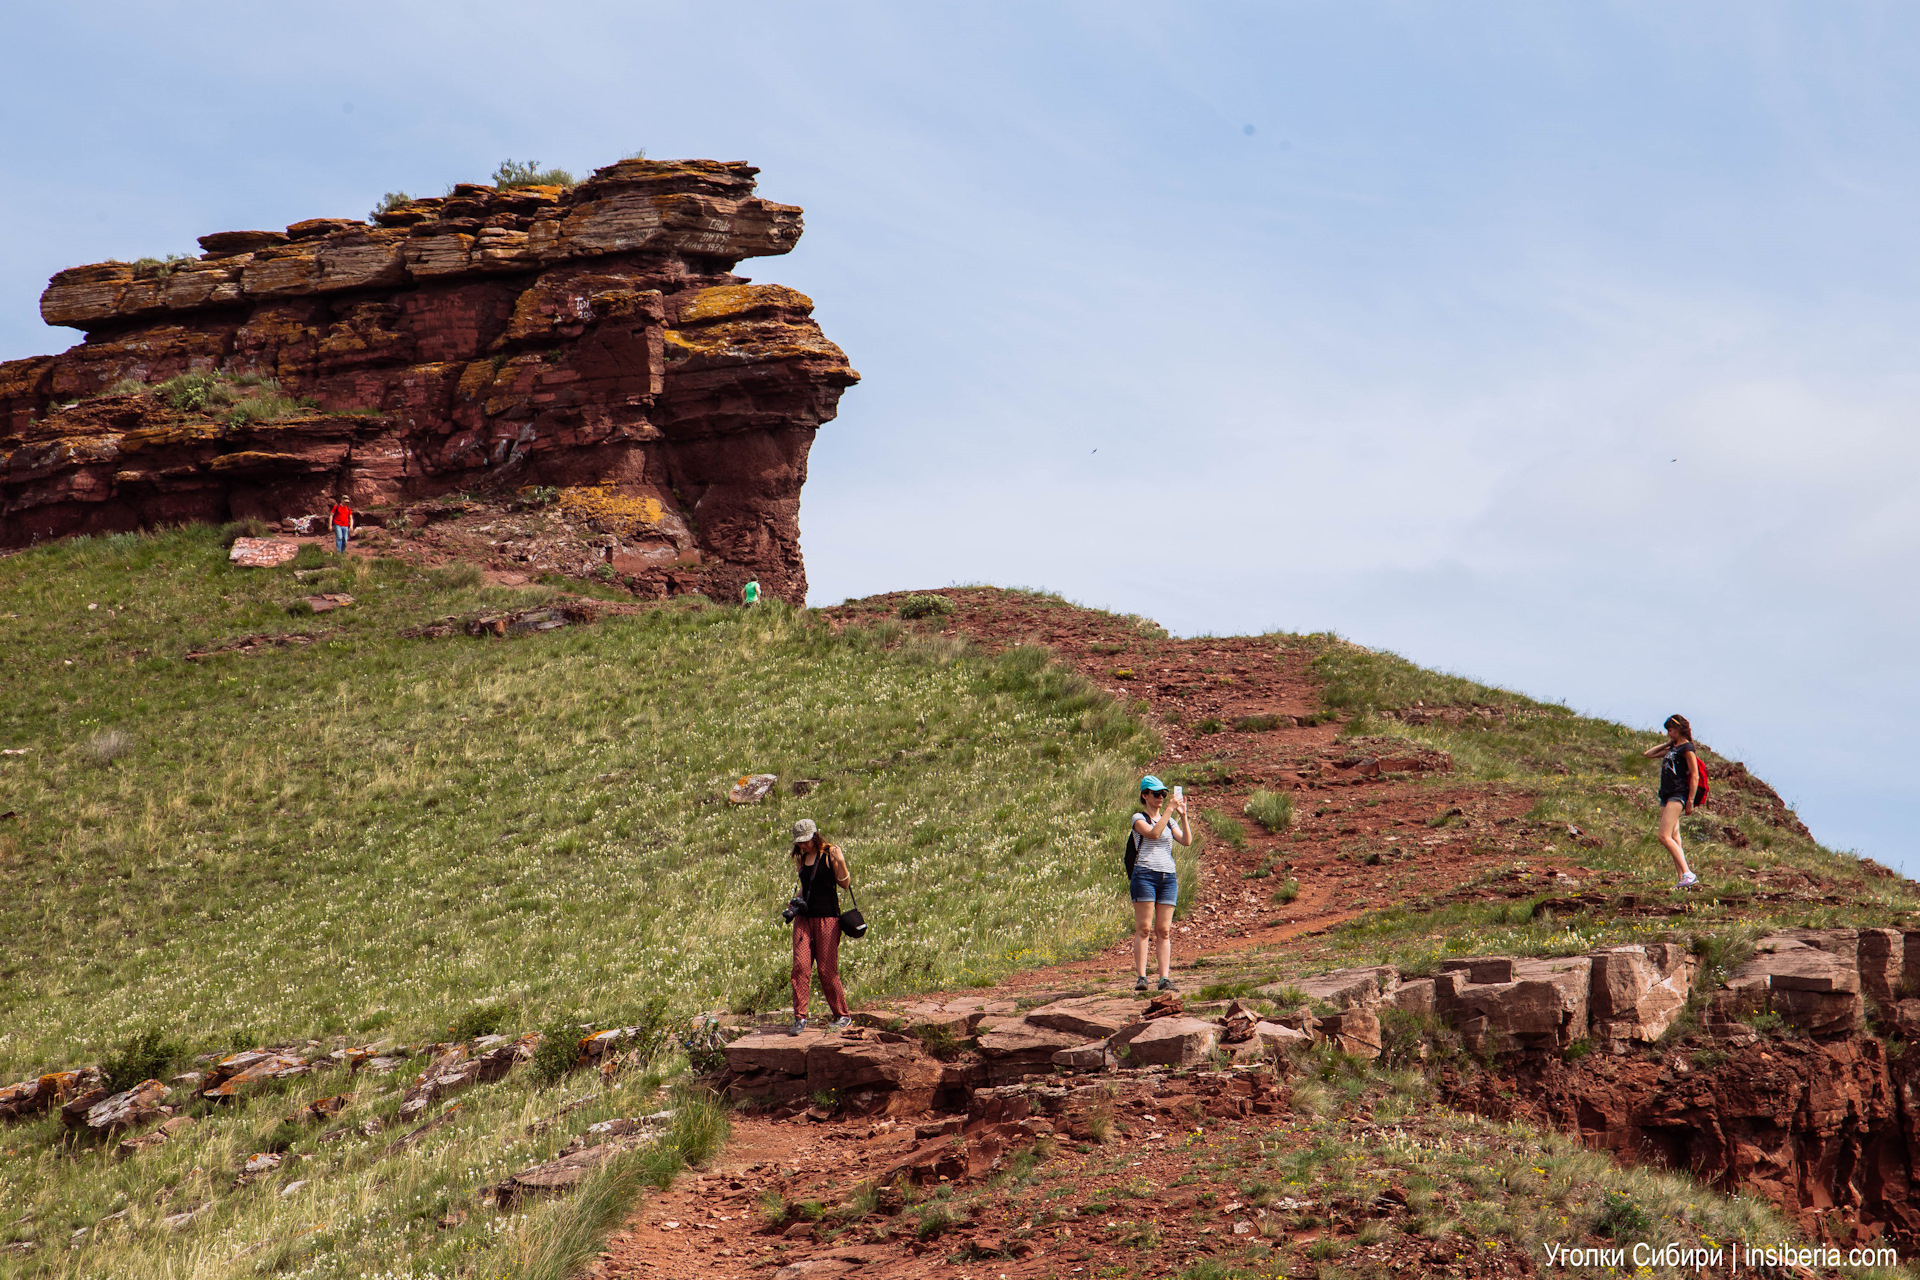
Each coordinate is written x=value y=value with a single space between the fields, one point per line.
x=235 y=399
x=1585 y=772
x=364 y=835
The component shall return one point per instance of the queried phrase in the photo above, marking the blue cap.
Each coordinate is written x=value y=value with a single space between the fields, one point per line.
x=1151 y=783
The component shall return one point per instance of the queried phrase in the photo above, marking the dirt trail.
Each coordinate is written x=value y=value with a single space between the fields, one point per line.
x=1360 y=839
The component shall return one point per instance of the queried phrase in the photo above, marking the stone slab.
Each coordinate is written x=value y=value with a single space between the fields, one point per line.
x=1172 y=1042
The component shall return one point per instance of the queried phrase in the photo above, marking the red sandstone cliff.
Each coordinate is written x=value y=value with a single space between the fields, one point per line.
x=491 y=339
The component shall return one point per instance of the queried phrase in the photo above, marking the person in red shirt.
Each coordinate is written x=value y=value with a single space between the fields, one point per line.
x=342 y=521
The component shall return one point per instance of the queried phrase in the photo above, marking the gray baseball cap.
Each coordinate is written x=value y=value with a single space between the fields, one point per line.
x=804 y=830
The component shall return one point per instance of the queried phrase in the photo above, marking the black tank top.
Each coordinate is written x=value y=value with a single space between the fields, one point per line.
x=817 y=887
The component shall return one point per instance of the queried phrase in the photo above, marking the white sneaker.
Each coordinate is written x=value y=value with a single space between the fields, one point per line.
x=1687 y=881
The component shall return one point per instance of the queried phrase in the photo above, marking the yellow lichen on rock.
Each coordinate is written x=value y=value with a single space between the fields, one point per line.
x=728 y=300
x=610 y=512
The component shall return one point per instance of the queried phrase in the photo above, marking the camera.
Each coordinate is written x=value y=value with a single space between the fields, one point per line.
x=794 y=907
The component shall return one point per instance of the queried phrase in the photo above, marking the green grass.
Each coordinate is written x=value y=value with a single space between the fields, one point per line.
x=235 y=399
x=1271 y=809
x=1228 y=829
x=159 y=268
x=372 y=836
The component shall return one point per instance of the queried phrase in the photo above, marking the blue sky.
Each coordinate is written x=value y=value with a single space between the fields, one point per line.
x=1570 y=347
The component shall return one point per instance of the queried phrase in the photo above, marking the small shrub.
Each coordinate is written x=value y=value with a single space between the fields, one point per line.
x=515 y=173
x=311 y=556
x=251 y=527
x=127 y=387
x=108 y=745
x=558 y=1053
x=159 y=268
x=190 y=392
x=925 y=606
x=146 y=1056
x=482 y=1020
x=1271 y=809
x=1719 y=956
x=388 y=203
x=1289 y=890
x=938 y=1217
x=1209 y=724
x=704 y=1043
x=653 y=1031
x=1261 y=724
x=938 y=1041
x=1620 y=1218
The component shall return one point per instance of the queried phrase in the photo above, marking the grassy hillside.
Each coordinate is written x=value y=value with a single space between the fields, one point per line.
x=1759 y=869
x=367 y=835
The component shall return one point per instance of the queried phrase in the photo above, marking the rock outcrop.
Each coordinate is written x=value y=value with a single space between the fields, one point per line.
x=1824 y=1128
x=591 y=337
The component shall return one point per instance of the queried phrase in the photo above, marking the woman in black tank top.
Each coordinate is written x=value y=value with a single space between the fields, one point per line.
x=1679 y=784
x=816 y=930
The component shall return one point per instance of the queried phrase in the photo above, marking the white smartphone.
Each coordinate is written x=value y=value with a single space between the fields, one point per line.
x=1179 y=793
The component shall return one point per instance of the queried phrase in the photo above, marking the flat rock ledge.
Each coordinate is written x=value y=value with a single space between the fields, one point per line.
x=938 y=1054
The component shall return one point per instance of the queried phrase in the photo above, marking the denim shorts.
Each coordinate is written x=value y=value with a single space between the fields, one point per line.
x=1155 y=886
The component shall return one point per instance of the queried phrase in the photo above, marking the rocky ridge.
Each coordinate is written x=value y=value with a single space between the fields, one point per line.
x=591 y=339
x=1819 y=1123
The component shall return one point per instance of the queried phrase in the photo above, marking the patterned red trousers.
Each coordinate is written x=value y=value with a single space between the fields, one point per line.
x=816 y=940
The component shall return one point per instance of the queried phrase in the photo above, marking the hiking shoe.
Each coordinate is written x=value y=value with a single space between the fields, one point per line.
x=1166 y=984
x=1140 y=983
x=799 y=1025
x=842 y=1022
x=1687 y=881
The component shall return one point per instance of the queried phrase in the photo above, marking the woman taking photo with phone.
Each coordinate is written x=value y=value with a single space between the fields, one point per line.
x=1679 y=785
x=816 y=924
x=1154 y=885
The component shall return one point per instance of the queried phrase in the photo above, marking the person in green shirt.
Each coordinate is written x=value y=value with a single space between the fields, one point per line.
x=750 y=594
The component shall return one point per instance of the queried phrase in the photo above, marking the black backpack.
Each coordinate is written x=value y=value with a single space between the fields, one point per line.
x=1133 y=844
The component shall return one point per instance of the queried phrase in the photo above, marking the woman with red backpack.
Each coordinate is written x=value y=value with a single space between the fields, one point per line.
x=1682 y=785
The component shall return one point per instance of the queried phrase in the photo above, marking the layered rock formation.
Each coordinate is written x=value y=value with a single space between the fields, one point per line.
x=537 y=336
